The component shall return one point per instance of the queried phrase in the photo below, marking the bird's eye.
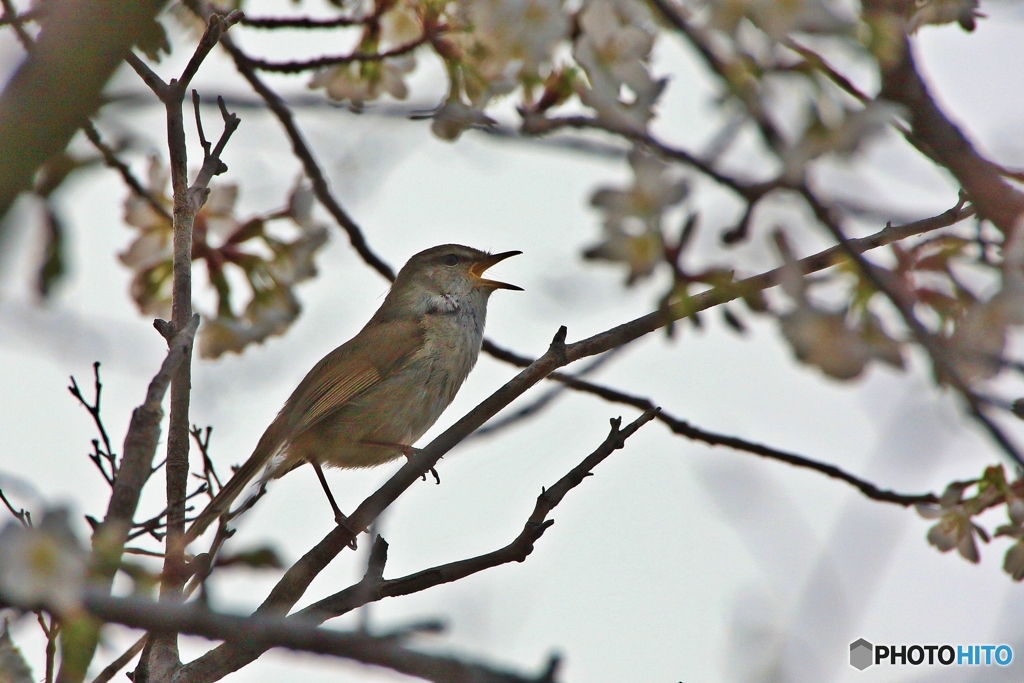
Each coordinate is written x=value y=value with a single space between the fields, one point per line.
x=450 y=260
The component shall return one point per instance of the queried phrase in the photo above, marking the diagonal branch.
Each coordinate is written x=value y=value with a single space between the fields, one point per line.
x=384 y=652
x=296 y=580
x=233 y=656
x=59 y=83
x=309 y=163
x=995 y=199
x=294 y=67
x=940 y=354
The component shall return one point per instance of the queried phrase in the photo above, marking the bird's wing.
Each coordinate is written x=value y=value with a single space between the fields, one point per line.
x=352 y=368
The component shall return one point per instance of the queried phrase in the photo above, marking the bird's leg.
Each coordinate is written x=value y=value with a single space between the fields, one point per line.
x=339 y=516
x=408 y=452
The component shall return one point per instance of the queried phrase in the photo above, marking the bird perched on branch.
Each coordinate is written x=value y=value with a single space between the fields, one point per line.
x=371 y=398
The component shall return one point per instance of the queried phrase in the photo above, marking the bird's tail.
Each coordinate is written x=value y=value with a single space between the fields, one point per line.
x=267 y=447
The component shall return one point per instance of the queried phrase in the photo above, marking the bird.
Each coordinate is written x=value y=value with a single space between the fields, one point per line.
x=367 y=401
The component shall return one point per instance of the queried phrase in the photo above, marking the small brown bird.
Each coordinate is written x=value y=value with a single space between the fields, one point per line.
x=371 y=398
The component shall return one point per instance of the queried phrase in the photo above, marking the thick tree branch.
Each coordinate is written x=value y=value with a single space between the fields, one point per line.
x=136 y=466
x=58 y=85
x=233 y=656
x=994 y=198
x=192 y=619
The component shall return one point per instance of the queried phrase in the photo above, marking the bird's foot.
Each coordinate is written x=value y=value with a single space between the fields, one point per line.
x=409 y=452
x=341 y=520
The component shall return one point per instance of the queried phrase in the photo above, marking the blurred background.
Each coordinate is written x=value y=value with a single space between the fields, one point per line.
x=675 y=562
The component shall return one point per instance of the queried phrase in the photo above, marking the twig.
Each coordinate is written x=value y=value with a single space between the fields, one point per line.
x=384 y=652
x=309 y=164
x=373 y=587
x=294 y=67
x=111 y=160
x=121 y=662
x=17 y=21
x=94 y=410
x=209 y=471
x=22 y=515
x=153 y=525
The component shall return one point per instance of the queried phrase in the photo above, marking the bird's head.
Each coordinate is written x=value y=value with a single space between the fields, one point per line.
x=447 y=277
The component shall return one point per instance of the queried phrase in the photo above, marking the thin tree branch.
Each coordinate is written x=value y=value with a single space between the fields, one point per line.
x=937 y=350
x=294 y=67
x=194 y=620
x=23 y=516
x=136 y=466
x=58 y=85
x=752 y=192
x=373 y=587
x=111 y=159
x=121 y=662
x=309 y=164
x=306 y=22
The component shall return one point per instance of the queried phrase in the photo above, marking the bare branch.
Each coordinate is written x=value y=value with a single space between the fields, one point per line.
x=107 y=453
x=294 y=67
x=232 y=656
x=22 y=515
x=111 y=160
x=937 y=350
x=274 y=632
x=307 y=22
x=121 y=662
x=309 y=164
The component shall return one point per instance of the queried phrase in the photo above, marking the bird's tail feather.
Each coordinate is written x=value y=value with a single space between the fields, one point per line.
x=268 y=446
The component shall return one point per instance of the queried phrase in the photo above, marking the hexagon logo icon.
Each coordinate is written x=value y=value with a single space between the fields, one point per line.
x=861 y=654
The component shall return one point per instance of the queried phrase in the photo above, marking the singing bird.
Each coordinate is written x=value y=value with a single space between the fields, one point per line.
x=374 y=396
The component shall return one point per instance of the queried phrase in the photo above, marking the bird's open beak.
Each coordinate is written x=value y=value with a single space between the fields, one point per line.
x=478 y=268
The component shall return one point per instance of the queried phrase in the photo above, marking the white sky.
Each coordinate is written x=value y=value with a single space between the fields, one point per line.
x=675 y=561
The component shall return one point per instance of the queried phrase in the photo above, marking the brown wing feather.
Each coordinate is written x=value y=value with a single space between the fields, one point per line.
x=369 y=357
x=352 y=368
